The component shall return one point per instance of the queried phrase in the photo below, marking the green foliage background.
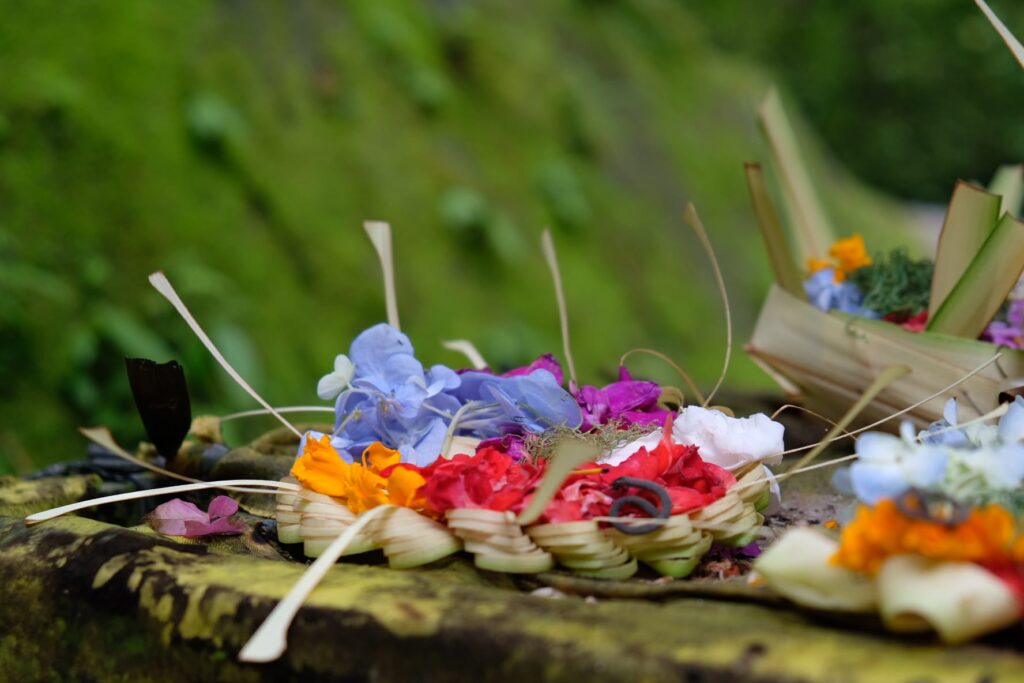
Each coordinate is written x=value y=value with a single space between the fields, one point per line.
x=909 y=94
x=239 y=145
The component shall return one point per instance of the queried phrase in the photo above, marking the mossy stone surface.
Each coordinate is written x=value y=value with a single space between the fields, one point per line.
x=83 y=600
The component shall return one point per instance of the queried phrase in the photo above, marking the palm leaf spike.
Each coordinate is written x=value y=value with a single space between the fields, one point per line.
x=883 y=380
x=1011 y=41
x=163 y=285
x=690 y=384
x=813 y=231
x=831 y=437
x=568 y=455
x=970 y=218
x=786 y=272
x=380 y=234
x=1008 y=183
x=467 y=349
x=101 y=436
x=548 y=247
x=942 y=392
x=985 y=283
x=281 y=409
x=271 y=639
x=228 y=484
x=693 y=220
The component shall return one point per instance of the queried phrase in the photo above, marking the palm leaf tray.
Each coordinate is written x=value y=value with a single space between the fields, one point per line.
x=814 y=338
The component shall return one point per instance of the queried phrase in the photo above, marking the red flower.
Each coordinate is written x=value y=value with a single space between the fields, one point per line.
x=911 y=323
x=691 y=483
x=490 y=480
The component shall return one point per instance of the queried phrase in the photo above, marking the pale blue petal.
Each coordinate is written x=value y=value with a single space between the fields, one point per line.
x=1011 y=427
x=873 y=482
x=925 y=467
x=877 y=446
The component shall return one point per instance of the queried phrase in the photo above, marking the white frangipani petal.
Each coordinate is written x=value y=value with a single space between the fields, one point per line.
x=333 y=383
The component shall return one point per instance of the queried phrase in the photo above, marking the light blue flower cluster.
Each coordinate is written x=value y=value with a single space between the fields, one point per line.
x=973 y=463
x=825 y=293
x=386 y=395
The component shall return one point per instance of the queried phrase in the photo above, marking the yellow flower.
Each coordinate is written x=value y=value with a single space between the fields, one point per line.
x=850 y=254
x=875 y=534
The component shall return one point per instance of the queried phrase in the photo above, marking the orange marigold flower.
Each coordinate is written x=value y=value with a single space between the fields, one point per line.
x=816 y=264
x=379 y=457
x=406 y=488
x=360 y=485
x=850 y=254
x=321 y=468
x=875 y=534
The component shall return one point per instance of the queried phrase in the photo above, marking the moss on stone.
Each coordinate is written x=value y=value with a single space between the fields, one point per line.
x=129 y=606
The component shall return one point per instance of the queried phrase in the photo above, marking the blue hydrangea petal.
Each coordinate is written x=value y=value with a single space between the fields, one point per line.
x=874 y=481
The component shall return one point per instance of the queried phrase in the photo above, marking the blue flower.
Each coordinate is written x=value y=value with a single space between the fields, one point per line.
x=945 y=432
x=499 y=405
x=888 y=465
x=827 y=294
x=392 y=399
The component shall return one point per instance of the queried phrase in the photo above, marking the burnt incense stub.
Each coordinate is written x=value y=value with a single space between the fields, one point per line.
x=161 y=397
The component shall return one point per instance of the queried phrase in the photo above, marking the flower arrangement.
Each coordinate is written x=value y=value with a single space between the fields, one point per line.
x=473 y=459
x=526 y=470
x=937 y=540
x=827 y=330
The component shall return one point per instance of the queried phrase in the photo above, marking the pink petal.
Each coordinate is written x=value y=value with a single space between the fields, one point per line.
x=170 y=517
x=181 y=518
x=225 y=526
x=223 y=506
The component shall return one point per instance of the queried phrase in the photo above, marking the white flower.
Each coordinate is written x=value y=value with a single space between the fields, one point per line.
x=333 y=383
x=730 y=441
x=725 y=441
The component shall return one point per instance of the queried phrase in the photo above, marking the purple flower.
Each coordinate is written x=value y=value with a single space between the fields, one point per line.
x=628 y=400
x=546 y=362
x=512 y=445
x=1008 y=333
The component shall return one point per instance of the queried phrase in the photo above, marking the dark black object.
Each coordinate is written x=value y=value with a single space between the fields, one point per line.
x=662 y=511
x=932 y=507
x=161 y=396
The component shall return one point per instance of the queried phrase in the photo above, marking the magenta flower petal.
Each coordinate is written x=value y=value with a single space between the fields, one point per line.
x=546 y=362
x=631 y=401
x=223 y=506
x=225 y=526
x=181 y=518
x=631 y=395
x=169 y=518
